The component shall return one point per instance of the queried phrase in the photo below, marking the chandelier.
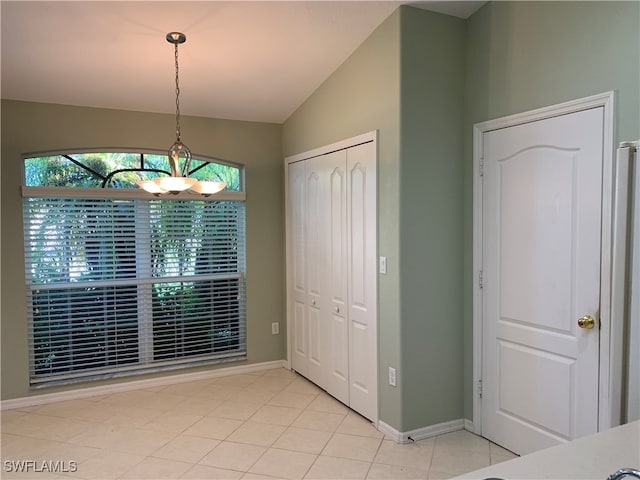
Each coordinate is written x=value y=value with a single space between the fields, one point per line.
x=179 y=179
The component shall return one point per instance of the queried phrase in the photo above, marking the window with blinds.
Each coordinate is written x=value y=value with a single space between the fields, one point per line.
x=122 y=285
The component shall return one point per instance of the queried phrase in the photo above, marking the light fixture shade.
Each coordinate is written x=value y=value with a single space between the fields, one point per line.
x=151 y=187
x=175 y=184
x=208 y=188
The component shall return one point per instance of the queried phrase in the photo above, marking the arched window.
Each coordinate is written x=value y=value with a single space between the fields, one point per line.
x=120 y=281
x=117 y=170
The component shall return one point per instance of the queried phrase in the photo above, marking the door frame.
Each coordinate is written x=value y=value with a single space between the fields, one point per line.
x=611 y=355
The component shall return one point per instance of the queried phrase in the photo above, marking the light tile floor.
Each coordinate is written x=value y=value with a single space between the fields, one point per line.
x=264 y=425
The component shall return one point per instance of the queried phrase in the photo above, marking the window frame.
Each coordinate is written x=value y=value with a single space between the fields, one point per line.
x=142 y=366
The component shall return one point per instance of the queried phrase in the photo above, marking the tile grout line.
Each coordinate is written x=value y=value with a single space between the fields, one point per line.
x=271 y=389
x=374 y=457
x=433 y=453
x=263 y=404
x=279 y=436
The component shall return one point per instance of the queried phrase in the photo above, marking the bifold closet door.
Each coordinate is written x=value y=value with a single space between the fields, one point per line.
x=332 y=225
x=362 y=275
x=319 y=271
x=297 y=267
x=336 y=279
x=317 y=307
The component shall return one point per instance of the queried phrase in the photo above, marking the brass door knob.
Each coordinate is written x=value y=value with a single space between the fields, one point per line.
x=586 y=322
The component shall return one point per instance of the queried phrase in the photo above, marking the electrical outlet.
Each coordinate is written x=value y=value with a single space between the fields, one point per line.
x=392 y=376
x=275 y=328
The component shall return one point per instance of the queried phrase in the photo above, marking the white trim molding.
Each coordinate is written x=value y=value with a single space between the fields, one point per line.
x=420 y=433
x=78 y=393
x=124 y=193
x=371 y=136
x=469 y=426
x=609 y=391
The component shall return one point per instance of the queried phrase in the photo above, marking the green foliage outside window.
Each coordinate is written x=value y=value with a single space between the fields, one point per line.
x=92 y=170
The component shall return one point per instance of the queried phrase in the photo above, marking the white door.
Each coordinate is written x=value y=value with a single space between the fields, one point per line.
x=541 y=273
x=316 y=259
x=298 y=282
x=362 y=274
x=336 y=279
x=332 y=277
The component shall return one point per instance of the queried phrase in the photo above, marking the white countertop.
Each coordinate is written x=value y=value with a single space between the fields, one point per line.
x=592 y=457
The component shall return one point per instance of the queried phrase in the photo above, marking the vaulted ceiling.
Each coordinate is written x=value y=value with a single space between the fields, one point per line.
x=242 y=60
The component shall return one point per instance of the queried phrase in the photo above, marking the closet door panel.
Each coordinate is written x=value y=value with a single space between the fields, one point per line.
x=297 y=271
x=361 y=279
x=316 y=186
x=338 y=381
x=316 y=366
x=299 y=360
x=314 y=228
x=338 y=231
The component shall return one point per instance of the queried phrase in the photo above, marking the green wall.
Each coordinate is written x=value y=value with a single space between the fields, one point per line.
x=526 y=55
x=33 y=127
x=406 y=81
x=432 y=95
x=364 y=95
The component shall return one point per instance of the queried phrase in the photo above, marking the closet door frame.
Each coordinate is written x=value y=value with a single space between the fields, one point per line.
x=341 y=145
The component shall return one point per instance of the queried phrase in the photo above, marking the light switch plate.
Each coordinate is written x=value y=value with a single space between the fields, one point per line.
x=383 y=265
x=392 y=376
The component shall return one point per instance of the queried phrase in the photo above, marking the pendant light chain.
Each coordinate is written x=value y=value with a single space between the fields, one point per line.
x=177 y=96
x=179 y=179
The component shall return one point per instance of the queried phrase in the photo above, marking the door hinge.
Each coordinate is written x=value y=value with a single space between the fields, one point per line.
x=479 y=388
x=481 y=167
x=480 y=279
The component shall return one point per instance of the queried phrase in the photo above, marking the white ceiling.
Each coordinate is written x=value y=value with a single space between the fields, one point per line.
x=243 y=60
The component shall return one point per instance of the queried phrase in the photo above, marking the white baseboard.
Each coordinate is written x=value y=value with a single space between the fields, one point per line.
x=420 y=433
x=391 y=432
x=469 y=426
x=137 y=384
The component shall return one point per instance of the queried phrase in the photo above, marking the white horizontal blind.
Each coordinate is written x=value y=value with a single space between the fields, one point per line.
x=116 y=286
